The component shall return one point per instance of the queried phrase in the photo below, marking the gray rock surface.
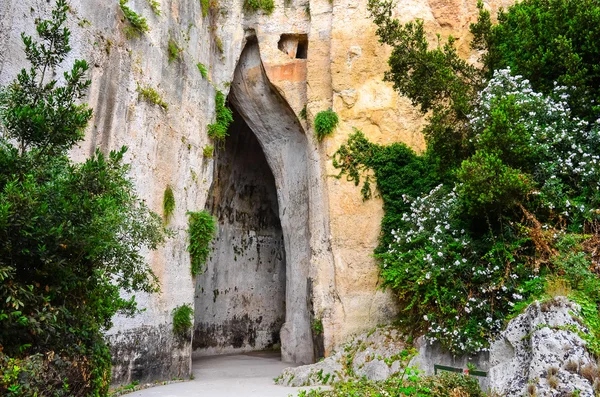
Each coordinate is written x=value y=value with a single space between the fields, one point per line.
x=538 y=343
x=540 y=351
x=374 y=355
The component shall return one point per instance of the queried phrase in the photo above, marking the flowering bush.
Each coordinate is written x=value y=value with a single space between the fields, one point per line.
x=467 y=254
x=447 y=287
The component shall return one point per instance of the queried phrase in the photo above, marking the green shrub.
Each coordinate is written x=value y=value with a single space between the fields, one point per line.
x=155 y=6
x=202 y=69
x=173 y=50
x=224 y=117
x=168 y=202
x=548 y=41
x=208 y=151
x=408 y=383
x=265 y=5
x=149 y=94
x=182 y=320
x=201 y=230
x=325 y=123
x=205 y=7
x=138 y=24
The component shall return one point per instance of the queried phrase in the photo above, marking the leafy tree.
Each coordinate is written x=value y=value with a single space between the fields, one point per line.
x=550 y=42
x=436 y=80
x=71 y=234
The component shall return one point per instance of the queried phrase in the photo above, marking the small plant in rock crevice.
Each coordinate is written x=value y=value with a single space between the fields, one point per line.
x=182 y=319
x=325 y=123
x=208 y=151
x=303 y=113
x=202 y=68
x=205 y=7
x=168 y=203
x=174 y=51
x=317 y=326
x=138 y=24
x=201 y=231
x=150 y=94
x=155 y=6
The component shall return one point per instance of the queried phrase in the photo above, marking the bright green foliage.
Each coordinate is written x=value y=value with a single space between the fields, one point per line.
x=265 y=5
x=201 y=230
x=138 y=24
x=71 y=234
x=149 y=94
x=155 y=6
x=208 y=151
x=224 y=117
x=168 y=202
x=506 y=196
x=173 y=50
x=325 y=123
x=205 y=7
x=408 y=383
x=202 y=69
x=549 y=41
x=182 y=320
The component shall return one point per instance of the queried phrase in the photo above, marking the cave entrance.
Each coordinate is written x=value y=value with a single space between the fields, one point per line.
x=260 y=190
x=240 y=299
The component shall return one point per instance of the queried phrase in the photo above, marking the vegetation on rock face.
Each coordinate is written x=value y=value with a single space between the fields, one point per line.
x=265 y=5
x=173 y=50
x=205 y=7
x=149 y=94
x=224 y=117
x=138 y=24
x=168 y=202
x=202 y=69
x=201 y=230
x=70 y=233
x=325 y=123
x=505 y=198
x=208 y=151
x=155 y=6
x=182 y=320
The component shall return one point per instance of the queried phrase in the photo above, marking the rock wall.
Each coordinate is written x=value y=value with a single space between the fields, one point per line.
x=315 y=53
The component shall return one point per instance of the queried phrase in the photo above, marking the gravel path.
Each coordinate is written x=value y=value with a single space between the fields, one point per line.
x=243 y=375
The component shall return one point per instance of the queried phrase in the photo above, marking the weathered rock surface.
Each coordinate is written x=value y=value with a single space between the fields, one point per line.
x=536 y=344
x=539 y=344
x=374 y=355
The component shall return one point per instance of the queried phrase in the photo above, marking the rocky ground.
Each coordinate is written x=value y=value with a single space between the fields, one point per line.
x=541 y=353
x=375 y=355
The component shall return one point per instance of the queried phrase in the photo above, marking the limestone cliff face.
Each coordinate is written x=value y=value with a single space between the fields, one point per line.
x=315 y=53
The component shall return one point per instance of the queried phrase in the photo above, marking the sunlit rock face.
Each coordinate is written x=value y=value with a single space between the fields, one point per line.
x=313 y=54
